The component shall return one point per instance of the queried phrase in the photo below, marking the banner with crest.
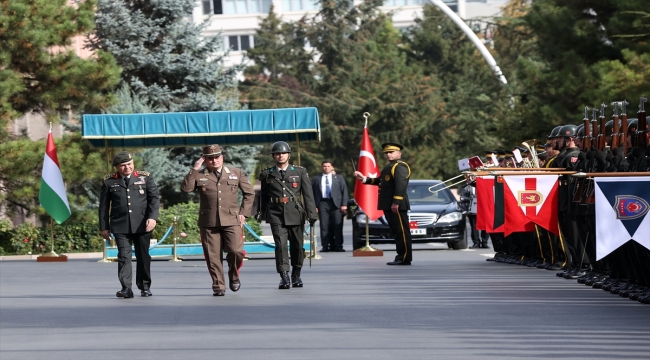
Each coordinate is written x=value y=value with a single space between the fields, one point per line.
x=622 y=205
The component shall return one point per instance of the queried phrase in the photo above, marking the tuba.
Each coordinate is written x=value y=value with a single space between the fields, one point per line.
x=531 y=145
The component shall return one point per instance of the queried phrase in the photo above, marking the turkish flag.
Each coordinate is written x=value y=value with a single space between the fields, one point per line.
x=366 y=195
x=530 y=200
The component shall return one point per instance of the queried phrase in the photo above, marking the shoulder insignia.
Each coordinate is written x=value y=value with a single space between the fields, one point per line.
x=142 y=173
x=297 y=166
x=111 y=176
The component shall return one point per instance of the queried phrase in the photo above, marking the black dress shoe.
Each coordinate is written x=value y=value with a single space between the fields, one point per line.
x=475 y=246
x=219 y=293
x=145 y=293
x=397 y=262
x=285 y=283
x=485 y=246
x=125 y=293
x=296 y=281
x=235 y=285
x=340 y=250
x=324 y=250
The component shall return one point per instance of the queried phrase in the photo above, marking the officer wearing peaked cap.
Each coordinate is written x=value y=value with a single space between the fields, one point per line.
x=286 y=201
x=221 y=216
x=393 y=199
x=128 y=208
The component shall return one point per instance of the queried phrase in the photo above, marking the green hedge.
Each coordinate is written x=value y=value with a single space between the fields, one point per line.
x=83 y=236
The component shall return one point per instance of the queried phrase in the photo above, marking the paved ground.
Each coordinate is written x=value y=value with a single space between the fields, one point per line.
x=447 y=305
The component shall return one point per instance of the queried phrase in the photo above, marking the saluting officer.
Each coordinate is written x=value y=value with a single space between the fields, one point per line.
x=128 y=208
x=282 y=207
x=221 y=217
x=393 y=199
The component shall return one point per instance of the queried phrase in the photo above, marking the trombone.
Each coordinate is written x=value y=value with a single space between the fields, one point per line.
x=465 y=174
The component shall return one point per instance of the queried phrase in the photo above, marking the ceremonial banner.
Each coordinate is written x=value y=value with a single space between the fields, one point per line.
x=52 y=193
x=530 y=200
x=622 y=205
x=366 y=195
x=484 y=203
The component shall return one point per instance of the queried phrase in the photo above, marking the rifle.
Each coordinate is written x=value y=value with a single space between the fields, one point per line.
x=642 y=128
x=586 y=139
x=602 y=136
x=594 y=128
x=616 y=129
x=623 y=136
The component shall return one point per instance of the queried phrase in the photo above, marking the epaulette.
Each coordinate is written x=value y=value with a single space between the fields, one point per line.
x=111 y=176
x=143 y=173
x=298 y=166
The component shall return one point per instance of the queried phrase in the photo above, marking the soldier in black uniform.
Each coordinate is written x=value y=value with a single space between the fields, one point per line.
x=281 y=206
x=393 y=200
x=128 y=208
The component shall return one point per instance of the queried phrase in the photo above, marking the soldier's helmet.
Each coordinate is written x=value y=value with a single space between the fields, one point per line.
x=609 y=127
x=632 y=125
x=581 y=131
x=554 y=132
x=280 y=147
x=568 y=131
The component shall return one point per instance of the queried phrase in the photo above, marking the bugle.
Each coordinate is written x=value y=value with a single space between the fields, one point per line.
x=466 y=174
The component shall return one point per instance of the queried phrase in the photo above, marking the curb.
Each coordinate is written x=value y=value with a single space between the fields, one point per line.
x=93 y=255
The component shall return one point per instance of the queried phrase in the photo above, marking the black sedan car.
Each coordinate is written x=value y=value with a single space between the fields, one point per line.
x=438 y=216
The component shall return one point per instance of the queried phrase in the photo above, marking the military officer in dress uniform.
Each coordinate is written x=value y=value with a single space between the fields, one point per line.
x=128 y=208
x=221 y=217
x=393 y=199
x=281 y=206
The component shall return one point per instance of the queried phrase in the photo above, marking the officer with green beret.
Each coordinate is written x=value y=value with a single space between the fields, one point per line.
x=128 y=208
x=393 y=200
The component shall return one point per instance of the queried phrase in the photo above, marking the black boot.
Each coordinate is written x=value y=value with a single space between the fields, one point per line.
x=285 y=283
x=295 y=278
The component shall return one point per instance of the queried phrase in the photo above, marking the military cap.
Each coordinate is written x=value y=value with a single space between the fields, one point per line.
x=543 y=155
x=212 y=151
x=509 y=154
x=540 y=148
x=548 y=144
x=488 y=153
x=522 y=149
x=501 y=154
x=122 y=157
x=391 y=146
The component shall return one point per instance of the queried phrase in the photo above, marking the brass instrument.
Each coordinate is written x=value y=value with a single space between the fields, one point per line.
x=469 y=178
x=531 y=145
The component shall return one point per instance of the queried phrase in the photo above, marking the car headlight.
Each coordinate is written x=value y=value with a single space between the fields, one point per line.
x=451 y=217
x=361 y=219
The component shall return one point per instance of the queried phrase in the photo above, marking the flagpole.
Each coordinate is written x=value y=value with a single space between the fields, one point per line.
x=51 y=256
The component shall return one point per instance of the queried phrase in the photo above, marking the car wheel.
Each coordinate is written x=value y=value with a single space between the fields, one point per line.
x=450 y=245
x=459 y=245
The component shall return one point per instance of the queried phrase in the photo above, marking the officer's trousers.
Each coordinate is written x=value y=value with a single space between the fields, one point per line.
x=140 y=242
x=215 y=241
x=282 y=233
x=399 y=226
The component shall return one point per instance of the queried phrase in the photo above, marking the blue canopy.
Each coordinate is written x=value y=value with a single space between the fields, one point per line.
x=201 y=128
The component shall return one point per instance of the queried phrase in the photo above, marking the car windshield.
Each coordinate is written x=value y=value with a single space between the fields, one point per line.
x=420 y=194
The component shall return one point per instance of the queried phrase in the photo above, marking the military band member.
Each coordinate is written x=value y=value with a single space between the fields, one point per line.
x=128 y=208
x=286 y=201
x=393 y=200
x=221 y=217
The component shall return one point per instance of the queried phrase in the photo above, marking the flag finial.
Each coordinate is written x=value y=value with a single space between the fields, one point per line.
x=50 y=126
x=366 y=115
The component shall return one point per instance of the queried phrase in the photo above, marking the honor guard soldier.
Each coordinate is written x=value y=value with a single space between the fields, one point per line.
x=286 y=201
x=393 y=200
x=128 y=208
x=221 y=217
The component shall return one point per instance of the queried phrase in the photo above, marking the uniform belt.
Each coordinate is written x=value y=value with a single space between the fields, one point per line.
x=280 y=200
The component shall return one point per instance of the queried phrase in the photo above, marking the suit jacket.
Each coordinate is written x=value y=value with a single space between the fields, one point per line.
x=392 y=182
x=340 y=194
x=275 y=190
x=218 y=198
x=125 y=210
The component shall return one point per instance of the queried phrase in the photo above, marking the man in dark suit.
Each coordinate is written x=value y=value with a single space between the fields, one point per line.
x=331 y=197
x=286 y=201
x=393 y=199
x=128 y=208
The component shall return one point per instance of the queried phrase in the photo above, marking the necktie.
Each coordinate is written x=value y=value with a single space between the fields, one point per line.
x=328 y=188
x=282 y=173
x=218 y=173
x=126 y=181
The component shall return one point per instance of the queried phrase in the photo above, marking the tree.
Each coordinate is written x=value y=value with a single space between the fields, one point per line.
x=165 y=59
x=37 y=72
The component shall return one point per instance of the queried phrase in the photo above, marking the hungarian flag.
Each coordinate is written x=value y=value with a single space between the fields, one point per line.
x=622 y=207
x=530 y=200
x=366 y=195
x=52 y=193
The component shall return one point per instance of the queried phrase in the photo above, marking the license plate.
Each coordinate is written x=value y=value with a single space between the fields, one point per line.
x=418 y=231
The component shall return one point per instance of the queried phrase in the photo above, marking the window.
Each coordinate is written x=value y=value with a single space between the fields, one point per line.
x=212 y=7
x=238 y=42
x=298 y=5
x=233 y=7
